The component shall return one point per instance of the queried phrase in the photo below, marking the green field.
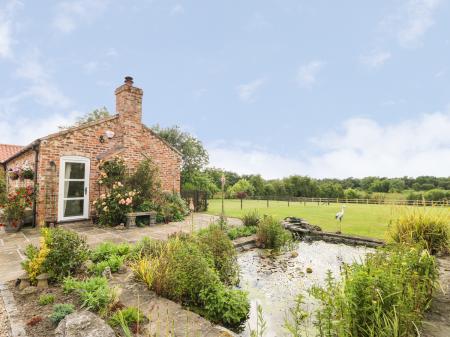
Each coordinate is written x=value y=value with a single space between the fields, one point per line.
x=364 y=220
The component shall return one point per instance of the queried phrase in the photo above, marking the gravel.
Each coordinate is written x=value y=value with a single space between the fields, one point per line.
x=4 y=323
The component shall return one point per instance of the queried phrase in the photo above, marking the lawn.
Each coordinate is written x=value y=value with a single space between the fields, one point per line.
x=364 y=220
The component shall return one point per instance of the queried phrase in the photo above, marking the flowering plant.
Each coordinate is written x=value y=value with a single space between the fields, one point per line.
x=113 y=206
x=16 y=204
x=23 y=172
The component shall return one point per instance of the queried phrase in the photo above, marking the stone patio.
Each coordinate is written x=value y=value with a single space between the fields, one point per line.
x=12 y=245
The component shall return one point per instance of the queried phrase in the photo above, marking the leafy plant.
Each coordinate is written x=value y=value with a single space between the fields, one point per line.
x=67 y=250
x=130 y=316
x=261 y=324
x=45 y=299
x=424 y=227
x=215 y=242
x=184 y=271
x=251 y=218
x=95 y=293
x=60 y=311
x=384 y=296
x=271 y=234
x=241 y=231
x=16 y=204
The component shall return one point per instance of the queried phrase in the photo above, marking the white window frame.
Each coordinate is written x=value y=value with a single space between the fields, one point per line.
x=62 y=167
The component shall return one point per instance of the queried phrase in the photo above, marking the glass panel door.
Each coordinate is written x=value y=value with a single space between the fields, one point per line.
x=74 y=185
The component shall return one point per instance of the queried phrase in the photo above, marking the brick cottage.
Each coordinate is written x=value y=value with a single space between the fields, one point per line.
x=66 y=163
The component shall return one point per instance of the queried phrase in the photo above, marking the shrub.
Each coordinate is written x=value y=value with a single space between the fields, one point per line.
x=271 y=234
x=241 y=231
x=112 y=206
x=184 y=273
x=424 y=227
x=112 y=171
x=147 y=247
x=67 y=250
x=16 y=204
x=60 y=311
x=114 y=263
x=146 y=182
x=251 y=218
x=106 y=250
x=215 y=242
x=172 y=207
x=130 y=316
x=33 y=265
x=46 y=299
x=384 y=296
x=95 y=293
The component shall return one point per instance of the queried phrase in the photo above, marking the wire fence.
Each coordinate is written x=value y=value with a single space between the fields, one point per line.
x=327 y=201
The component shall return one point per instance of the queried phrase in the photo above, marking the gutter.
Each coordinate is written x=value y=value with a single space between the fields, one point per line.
x=36 y=146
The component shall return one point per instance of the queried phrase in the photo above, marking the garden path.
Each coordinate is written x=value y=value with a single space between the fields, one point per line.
x=437 y=323
x=12 y=245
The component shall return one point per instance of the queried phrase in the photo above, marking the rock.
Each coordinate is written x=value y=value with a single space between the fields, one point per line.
x=29 y=290
x=294 y=254
x=42 y=281
x=83 y=324
x=120 y=227
x=122 y=269
x=24 y=281
x=309 y=270
x=107 y=273
x=87 y=266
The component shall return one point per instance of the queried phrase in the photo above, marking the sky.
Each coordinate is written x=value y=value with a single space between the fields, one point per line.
x=318 y=88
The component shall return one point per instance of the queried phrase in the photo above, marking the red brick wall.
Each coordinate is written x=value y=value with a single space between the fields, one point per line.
x=139 y=144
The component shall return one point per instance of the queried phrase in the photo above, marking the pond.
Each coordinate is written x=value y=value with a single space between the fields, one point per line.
x=274 y=282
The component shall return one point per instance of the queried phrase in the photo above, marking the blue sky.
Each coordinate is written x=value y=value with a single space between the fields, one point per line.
x=321 y=88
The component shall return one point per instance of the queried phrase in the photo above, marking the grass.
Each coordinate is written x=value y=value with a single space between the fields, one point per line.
x=364 y=220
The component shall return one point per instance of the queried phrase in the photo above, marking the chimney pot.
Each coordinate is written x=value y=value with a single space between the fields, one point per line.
x=129 y=80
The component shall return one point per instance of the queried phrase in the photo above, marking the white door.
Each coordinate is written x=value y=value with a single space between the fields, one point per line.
x=73 y=201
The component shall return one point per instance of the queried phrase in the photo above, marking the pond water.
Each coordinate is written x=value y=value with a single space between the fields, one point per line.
x=274 y=282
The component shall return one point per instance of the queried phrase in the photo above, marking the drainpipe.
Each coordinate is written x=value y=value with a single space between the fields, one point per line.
x=36 y=163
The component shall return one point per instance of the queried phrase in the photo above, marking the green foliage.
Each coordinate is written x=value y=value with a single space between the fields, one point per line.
x=45 y=299
x=186 y=273
x=215 y=242
x=95 y=293
x=385 y=296
x=261 y=324
x=241 y=231
x=146 y=182
x=172 y=207
x=295 y=322
x=241 y=188
x=112 y=171
x=271 y=234
x=95 y=115
x=200 y=181
x=193 y=153
x=60 y=311
x=105 y=250
x=114 y=263
x=17 y=202
x=421 y=226
x=67 y=251
x=129 y=315
x=3 y=189
x=251 y=218
x=147 y=247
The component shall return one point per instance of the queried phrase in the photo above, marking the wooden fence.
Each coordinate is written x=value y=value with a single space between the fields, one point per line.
x=326 y=201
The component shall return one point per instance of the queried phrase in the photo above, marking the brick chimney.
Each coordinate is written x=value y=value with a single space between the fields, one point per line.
x=129 y=104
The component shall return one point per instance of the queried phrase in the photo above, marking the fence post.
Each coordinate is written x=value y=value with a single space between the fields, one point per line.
x=267 y=202
x=241 y=203
x=289 y=199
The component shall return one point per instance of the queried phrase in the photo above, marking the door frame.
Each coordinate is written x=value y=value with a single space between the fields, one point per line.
x=87 y=167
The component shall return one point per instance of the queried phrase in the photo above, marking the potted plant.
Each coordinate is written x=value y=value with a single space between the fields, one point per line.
x=14 y=173
x=15 y=206
x=27 y=173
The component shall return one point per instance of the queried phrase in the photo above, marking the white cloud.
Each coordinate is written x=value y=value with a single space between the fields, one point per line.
x=362 y=147
x=376 y=59
x=42 y=87
x=7 y=14
x=71 y=13
x=15 y=129
x=307 y=73
x=419 y=19
x=177 y=9
x=247 y=92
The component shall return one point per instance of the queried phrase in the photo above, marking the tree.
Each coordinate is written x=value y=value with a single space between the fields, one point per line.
x=241 y=187
x=89 y=117
x=194 y=155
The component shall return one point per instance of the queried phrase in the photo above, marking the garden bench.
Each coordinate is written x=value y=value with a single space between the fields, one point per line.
x=131 y=218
